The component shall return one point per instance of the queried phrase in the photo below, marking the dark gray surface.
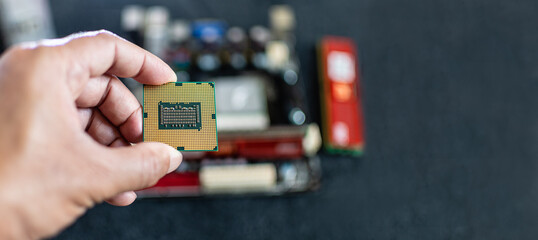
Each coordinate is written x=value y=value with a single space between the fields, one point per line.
x=451 y=106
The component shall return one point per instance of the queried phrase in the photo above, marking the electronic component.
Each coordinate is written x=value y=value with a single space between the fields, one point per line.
x=179 y=116
x=259 y=37
x=238 y=178
x=278 y=55
x=132 y=23
x=155 y=30
x=242 y=103
x=282 y=18
x=25 y=20
x=235 y=54
x=343 y=127
x=182 y=115
x=278 y=142
x=209 y=34
x=178 y=54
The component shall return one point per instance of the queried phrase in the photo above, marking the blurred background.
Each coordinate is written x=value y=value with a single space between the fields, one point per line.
x=427 y=111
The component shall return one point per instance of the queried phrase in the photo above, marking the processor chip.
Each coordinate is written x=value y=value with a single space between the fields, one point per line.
x=179 y=116
x=182 y=115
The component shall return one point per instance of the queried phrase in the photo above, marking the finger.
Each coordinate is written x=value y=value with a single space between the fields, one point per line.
x=120 y=142
x=101 y=130
x=92 y=54
x=94 y=92
x=84 y=116
x=123 y=199
x=116 y=103
x=140 y=166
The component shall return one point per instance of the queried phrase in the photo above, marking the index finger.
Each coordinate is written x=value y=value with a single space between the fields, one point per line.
x=92 y=54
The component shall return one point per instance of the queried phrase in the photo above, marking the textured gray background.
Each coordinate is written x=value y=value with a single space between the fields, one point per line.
x=450 y=94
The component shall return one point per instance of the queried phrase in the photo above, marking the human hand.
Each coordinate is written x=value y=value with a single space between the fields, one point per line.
x=66 y=125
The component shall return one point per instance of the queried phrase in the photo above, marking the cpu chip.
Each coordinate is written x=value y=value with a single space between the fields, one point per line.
x=182 y=115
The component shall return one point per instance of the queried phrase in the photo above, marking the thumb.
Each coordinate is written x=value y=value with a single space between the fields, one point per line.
x=141 y=165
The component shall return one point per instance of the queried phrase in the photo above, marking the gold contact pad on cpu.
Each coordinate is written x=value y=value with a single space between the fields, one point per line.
x=182 y=115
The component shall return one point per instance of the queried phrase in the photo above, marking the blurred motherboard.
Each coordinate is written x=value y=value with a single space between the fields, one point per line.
x=266 y=141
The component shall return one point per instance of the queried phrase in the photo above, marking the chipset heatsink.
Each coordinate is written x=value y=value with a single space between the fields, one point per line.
x=182 y=115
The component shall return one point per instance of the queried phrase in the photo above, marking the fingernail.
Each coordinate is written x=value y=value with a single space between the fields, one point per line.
x=173 y=77
x=175 y=159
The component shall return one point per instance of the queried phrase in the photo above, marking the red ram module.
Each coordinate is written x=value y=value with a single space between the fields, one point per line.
x=342 y=117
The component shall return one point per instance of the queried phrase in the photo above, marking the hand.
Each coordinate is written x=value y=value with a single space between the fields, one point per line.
x=66 y=124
